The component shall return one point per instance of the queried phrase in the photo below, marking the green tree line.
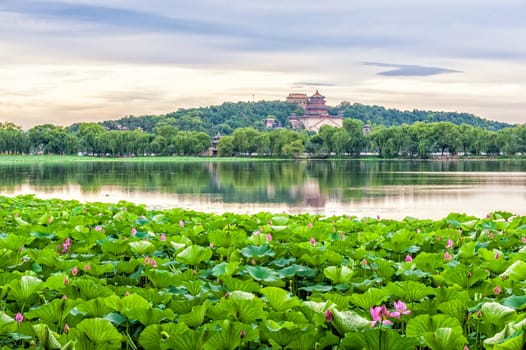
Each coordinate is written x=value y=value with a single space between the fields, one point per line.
x=415 y=140
x=229 y=116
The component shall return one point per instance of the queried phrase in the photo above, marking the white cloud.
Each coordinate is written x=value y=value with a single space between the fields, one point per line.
x=88 y=58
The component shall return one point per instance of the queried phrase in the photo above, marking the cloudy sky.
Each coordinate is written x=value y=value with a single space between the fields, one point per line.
x=65 y=61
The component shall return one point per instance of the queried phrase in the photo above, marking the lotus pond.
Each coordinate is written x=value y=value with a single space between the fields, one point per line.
x=110 y=276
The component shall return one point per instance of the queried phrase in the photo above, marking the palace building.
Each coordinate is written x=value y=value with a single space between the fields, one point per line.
x=316 y=114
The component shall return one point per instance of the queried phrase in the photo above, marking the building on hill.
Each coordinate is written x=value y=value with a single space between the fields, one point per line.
x=316 y=115
x=299 y=99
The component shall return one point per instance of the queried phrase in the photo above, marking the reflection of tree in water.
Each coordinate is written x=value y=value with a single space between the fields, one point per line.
x=305 y=182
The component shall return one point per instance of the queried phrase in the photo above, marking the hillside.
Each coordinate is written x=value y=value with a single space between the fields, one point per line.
x=229 y=116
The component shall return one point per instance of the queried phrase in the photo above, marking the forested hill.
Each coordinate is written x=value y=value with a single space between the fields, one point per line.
x=229 y=116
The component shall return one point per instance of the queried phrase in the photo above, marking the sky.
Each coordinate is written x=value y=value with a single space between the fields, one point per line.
x=68 y=61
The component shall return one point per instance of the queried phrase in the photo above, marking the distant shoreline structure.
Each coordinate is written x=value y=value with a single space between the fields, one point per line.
x=315 y=112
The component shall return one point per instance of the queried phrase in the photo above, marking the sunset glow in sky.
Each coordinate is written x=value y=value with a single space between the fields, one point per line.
x=67 y=61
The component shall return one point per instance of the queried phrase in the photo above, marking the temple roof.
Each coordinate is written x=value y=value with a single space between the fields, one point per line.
x=317 y=94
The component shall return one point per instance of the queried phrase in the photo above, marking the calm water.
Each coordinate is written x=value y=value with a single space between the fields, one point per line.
x=391 y=189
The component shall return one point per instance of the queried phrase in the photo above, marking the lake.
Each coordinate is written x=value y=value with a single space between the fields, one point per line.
x=390 y=189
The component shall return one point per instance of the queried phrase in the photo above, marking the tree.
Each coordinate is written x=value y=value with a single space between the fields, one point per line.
x=225 y=147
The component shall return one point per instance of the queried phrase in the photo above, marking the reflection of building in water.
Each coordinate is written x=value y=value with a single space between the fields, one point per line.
x=312 y=196
x=316 y=115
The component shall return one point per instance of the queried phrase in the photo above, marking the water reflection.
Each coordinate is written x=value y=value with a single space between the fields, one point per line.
x=392 y=189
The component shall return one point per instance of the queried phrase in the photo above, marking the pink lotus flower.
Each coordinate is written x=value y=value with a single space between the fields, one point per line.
x=523 y=239
x=242 y=333
x=181 y=223
x=87 y=267
x=447 y=256
x=364 y=262
x=163 y=237
x=312 y=241
x=449 y=244
x=134 y=231
x=496 y=290
x=340 y=234
x=154 y=263
x=126 y=293
x=310 y=224
x=328 y=316
x=66 y=280
x=74 y=271
x=212 y=245
x=400 y=309
x=438 y=238
x=380 y=315
x=19 y=318
x=497 y=255
x=146 y=260
x=66 y=328
x=269 y=237
x=98 y=228
x=408 y=258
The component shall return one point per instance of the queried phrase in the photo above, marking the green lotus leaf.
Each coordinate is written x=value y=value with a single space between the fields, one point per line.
x=261 y=273
x=128 y=303
x=280 y=220
x=280 y=299
x=496 y=314
x=445 y=339
x=7 y=323
x=296 y=270
x=116 y=318
x=89 y=289
x=349 y=321
x=172 y=336
x=372 y=297
x=282 y=262
x=516 y=271
x=22 y=289
x=229 y=237
x=225 y=268
x=46 y=338
x=257 y=251
x=194 y=254
x=15 y=241
x=240 y=306
x=510 y=338
x=284 y=332
x=517 y=302
x=194 y=287
x=149 y=316
x=233 y=284
x=196 y=317
x=376 y=338
x=384 y=268
x=455 y=308
x=422 y=324
x=94 y=308
x=164 y=278
x=53 y=312
x=410 y=290
x=429 y=262
x=142 y=247
x=338 y=274
x=114 y=247
x=97 y=333
x=314 y=259
x=402 y=241
x=317 y=288
x=226 y=335
x=151 y=337
x=463 y=276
